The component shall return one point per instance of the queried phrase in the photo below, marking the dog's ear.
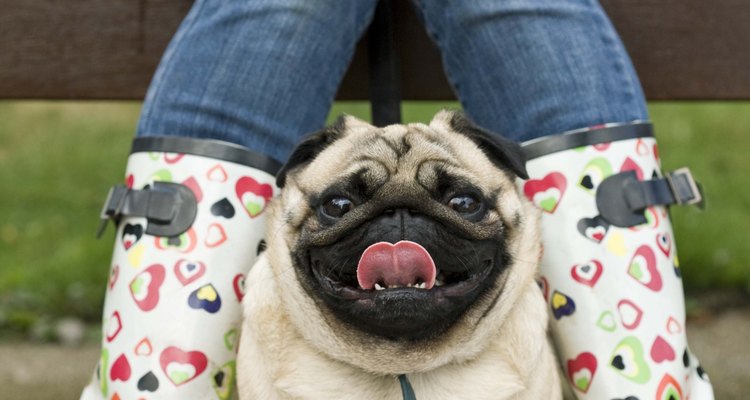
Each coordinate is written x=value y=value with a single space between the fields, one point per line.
x=311 y=146
x=504 y=153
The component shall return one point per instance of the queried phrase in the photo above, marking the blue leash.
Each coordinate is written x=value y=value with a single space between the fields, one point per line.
x=406 y=390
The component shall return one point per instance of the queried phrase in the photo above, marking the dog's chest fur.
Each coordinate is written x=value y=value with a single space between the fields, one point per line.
x=278 y=363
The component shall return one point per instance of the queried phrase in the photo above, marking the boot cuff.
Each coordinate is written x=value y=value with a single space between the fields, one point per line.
x=585 y=137
x=215 y=149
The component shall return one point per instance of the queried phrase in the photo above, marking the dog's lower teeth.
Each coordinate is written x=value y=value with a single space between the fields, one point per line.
x=439 y=283
x=422 y=285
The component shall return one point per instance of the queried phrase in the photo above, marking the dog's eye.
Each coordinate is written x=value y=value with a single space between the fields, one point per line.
x=465 y=204
x=336 y=207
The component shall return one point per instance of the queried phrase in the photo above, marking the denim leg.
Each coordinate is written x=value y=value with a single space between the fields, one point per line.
x=257 y=73
x=532 y=68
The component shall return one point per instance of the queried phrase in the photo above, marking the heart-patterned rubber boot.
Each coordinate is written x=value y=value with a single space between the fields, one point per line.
x=190 y=223
x=610 y=272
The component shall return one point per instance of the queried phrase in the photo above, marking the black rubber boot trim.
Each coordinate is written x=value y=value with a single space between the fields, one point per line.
x=553 y=144
x=210 y=148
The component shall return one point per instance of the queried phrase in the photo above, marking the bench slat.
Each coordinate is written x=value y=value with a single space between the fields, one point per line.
x=95 y=49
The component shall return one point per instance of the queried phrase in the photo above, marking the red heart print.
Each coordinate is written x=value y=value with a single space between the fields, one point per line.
x=602 y=146
x=131 y=234
x=546 y=193
x=194 y=187
x=129 y=181
x=652 y=220
x=114 y=326
x=239 y=286
x=173 y=158
x=630 y=314
x=597 y=234
x=581 y=371
x=661 y=350
x=192 y=241
x=182 y=366
x=144 y=288
x=673 y=326
x=184 y=243
x=544 y=285
x=217 y=174
x=120 y=369
x=215 y=236
x=253 y=195
x=143 y=348
x=668 y=388
x=664 y=243
x=640 y=147
x=643 y=268
x=594 y=228
x=588 y=273
x=630 y=165
x=188 y=272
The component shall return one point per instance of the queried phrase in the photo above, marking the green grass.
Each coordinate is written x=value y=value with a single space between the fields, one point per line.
x=714 y=140
x=57 y=161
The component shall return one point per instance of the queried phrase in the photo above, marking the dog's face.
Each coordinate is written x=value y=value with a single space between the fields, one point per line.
x=402 y=237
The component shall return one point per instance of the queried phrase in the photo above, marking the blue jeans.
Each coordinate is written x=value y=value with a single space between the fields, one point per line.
x=263 y=73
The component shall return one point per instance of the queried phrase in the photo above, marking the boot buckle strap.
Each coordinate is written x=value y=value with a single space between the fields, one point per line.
x=684 y=187
x=169 y=208
x=622 y=198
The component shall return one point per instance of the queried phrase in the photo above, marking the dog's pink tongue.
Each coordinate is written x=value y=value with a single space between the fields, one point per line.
x=401 y=264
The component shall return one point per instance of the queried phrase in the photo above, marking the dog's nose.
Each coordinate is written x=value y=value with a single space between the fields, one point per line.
x=398 y=212
x=396 y=224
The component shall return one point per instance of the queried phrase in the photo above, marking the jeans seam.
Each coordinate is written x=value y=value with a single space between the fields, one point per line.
x=625 y=82
x=168 y=65
x=610 y=41
x=352 y=49
x=437 y=39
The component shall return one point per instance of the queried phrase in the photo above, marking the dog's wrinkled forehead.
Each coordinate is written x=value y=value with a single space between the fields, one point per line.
x=379 y=155
x=402 y=152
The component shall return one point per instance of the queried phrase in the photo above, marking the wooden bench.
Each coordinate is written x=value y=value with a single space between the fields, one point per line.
x=96 y=49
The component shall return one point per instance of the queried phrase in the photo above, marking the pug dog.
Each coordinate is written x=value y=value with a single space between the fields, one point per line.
x=398 y=251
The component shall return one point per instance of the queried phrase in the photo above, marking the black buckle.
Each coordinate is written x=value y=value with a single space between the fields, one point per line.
x=622 y=198
x=684 y=187
x=169 y=208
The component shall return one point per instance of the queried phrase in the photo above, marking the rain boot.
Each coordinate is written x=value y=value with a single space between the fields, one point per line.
x=610 y=271
x=190 y=223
